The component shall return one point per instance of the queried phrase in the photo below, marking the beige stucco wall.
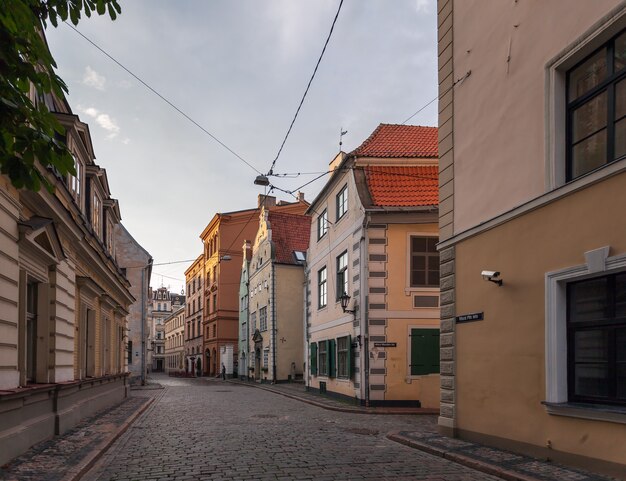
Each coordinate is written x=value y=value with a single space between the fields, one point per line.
x=501 y=360
x=488 y=138
x=289 y=323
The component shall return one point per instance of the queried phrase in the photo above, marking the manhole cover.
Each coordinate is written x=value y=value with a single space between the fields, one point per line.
x=363 y=431
x=265 y=416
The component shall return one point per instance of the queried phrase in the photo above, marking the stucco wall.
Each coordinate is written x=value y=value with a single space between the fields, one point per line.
x=499 y=111
x=501 y=360
x=290 y=332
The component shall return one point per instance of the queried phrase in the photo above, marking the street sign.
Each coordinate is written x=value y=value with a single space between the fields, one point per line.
x=385 y=344
x=475 y=316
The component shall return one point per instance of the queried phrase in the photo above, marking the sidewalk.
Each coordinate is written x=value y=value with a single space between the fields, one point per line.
x=504 y=464
x=68 y=456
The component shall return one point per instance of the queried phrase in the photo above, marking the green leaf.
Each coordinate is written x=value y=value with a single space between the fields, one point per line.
x=100 y=7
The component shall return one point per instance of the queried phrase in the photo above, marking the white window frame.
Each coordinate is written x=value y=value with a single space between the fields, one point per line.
x=322 y=224
x=341 y=202
x=597 y=263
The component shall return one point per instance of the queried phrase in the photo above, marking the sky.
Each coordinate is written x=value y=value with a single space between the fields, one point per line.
x=238 y=68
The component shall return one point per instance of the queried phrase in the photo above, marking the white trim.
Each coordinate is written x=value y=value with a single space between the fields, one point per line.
x=609 y=414
x=555 y=312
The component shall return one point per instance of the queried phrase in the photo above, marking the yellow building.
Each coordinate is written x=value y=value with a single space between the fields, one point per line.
x=175 y=341
x=373 y=240
x=533 y=243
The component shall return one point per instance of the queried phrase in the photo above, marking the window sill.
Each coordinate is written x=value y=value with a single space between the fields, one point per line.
x=595 y=412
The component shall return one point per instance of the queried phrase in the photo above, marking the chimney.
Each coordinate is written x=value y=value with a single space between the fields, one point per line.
x=247 y=250
x=300 y=196
x=266 y=201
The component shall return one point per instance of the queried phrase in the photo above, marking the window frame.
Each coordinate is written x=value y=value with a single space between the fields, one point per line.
x=344 y=358
x=341 y=202
x=322 y=288
x=322 y=224
x=427 y=256
x=606 y=86
x=343 y=281
x=263 y=319
x=322 y=358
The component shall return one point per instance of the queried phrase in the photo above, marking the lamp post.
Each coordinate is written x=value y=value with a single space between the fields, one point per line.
x=345 y=301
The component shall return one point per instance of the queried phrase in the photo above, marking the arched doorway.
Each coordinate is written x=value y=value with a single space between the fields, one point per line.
x=257 y=363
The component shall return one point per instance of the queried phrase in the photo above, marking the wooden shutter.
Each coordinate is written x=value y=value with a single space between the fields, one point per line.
x=350 y=358
x=330 y=357
x=313 y=359
x=424 y=351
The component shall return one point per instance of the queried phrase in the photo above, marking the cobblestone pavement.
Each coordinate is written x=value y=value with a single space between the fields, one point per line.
x=201 y=430
x=63 y=457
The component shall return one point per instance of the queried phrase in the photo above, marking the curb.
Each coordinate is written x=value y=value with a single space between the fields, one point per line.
x=77 y=472
x=481 y=466
x=337 y=408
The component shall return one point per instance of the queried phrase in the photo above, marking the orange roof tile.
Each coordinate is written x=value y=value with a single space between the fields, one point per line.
x=389 y=140
x=400 y=186
x=290 y=232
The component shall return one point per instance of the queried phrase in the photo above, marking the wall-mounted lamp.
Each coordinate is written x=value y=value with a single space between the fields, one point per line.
x=225 y=257
x=492 y=276
x=345 y=301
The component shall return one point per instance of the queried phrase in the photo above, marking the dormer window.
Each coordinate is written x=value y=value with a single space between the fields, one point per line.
x=96 y=214
x=75 y=181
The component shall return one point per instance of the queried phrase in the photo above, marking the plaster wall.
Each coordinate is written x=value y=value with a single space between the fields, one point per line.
x=498 y=42
x=501 y=361
x=289 y=332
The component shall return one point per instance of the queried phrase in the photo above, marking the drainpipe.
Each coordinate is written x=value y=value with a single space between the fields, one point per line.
x=364 y=324
x=273 y=297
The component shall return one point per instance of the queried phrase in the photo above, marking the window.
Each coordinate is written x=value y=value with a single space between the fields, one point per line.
x=214 y=302
x=31 y=331
x=96 y=214
x=323 y=358
x=159 y=306
x=253 y=321
x=344 y=357
x=596 y=339
x=424 y=262
x=342 y=275
x=266 y=356
x=321 y=288
x=322 y=224
x=214 y=330
x=109 y=238
x=424 y=351
x=76 y=181
x=263 y=318
x=596 y=109
x=342 y=202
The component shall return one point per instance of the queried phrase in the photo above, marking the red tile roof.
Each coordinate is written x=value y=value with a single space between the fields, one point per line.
x=389 y=140
x=290 y=232
x=400 y=186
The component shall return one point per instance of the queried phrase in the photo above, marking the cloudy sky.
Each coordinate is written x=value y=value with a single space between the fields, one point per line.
x=238 y=68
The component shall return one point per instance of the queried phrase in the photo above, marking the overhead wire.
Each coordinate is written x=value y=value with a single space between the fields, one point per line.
x=293 y=121
x=162 y=97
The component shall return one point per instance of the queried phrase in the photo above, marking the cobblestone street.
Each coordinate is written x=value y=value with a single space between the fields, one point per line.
x=199 y=429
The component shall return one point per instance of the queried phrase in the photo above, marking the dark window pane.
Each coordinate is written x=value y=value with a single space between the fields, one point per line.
x=589 y=154
x=418 y=244
x=620 y=295
x=433 y=278
x=621 y=381
x=591 y=346
x=620 y=99
x=620 y=52
x=432 y=244
x=621 y=345
x=418 y=278
x=588 y=75
x=589 y=117
x=419 y=262
x=591 y=380
x=588 y=300
x=620 y=138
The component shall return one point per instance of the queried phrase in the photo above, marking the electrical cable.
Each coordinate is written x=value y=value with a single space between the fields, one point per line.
x=307 y=88
x=171 y=104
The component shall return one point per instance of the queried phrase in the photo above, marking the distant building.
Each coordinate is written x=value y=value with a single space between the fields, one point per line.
x=275 y=300
x=194 y=277
x=136 y=262
x=175 y=341
x=163 y=304
x=244 y=367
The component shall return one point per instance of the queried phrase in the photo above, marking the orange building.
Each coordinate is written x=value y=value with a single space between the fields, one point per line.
x=222 y=239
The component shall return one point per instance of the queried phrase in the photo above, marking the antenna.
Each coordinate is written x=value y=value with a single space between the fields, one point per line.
x=341 y=134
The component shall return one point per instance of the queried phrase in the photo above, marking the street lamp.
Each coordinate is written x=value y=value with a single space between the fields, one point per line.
x=345 y=300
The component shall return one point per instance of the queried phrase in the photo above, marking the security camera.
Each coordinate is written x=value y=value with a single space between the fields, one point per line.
x=491 y=276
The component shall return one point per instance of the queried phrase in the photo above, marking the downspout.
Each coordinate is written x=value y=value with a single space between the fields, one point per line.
x=364 y=324
x=273 y=297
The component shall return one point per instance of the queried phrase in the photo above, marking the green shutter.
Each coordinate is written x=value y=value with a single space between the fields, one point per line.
x=424 y=351
x=350 y=358
x=313 y=359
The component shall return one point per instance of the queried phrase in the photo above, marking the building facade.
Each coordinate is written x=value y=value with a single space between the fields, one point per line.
x=194 y=277
x=532 y=184
x=136 y=263
x=64 y=299
x=373 y=237
x=175 y=341
x=162 y=305
x=244 y=326
x=275 y=301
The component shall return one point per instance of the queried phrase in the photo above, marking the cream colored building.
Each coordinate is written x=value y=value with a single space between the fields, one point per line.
x=194 y=277
x=63 y=298
x=532 y=144
x=275 y=301
x=175 y=341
